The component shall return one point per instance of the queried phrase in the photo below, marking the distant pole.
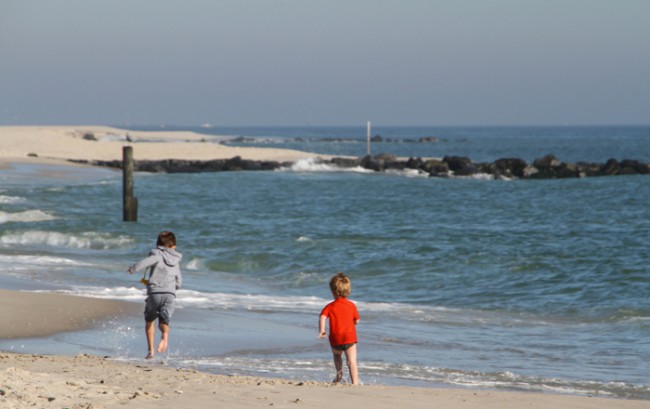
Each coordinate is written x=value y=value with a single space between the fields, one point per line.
x=130 y=203
x=368 y=138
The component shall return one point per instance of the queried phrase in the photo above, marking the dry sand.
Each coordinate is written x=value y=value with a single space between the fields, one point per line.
x=41 y=381
x=57 y=143
x=85 y=381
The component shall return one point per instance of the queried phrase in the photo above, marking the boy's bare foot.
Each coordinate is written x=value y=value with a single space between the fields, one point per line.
x=162 y=346
x=338 y=378
x=149 y=356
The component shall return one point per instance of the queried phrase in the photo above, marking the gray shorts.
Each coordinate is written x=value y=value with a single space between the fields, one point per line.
x=160 y=306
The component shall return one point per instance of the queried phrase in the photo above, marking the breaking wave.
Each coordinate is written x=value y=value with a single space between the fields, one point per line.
x=11 y=199
x=88 y=240
x=315 y=165
x=26 y=216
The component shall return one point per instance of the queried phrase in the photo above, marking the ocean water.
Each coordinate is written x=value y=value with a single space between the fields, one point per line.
x=537 y=285
x=481 y=144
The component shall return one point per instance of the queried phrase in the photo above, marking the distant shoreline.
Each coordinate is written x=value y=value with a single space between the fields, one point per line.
x=182 y=151
x=96 y=143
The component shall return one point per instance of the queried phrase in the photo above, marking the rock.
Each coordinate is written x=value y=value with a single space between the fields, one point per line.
x=346 y=162
x=460 y=165
x=235 y=163
x=630 y=167
x=414 y=163
x=530 y=171
x=510 y=167
x=589 y=169
x=242 y=139
x=547 y=162
x=611 y=167
x=548 y=167
x=428 y=139
x=389 y=161
x=566 y=170
x=387 y=157
x=377 y=163
x=436 y=167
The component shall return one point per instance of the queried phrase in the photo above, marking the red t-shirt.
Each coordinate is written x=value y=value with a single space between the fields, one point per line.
x=341 y=313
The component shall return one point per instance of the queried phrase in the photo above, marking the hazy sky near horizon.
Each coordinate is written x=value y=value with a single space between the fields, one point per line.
x=325 y=62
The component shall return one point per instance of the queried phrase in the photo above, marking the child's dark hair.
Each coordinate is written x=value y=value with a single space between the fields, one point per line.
x=166 y=239
x=340 y=285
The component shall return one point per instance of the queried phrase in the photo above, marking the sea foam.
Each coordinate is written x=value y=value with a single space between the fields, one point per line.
x=87 y=240
x=26 y=216
x=262 y=302
x=107 y=293
x=314 y=165
x=204 y=300
x=30 y=261
x=11 y=199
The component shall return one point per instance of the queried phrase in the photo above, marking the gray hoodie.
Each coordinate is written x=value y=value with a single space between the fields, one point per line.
x=164 y=270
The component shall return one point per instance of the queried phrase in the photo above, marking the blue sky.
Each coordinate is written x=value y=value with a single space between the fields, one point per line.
x=325 y=62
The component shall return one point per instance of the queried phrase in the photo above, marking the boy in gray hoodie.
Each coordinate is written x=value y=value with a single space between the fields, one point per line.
x=163 y=265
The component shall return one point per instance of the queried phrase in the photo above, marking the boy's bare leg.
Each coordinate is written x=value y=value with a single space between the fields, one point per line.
x=150 y=332
x=338 y=364
x=351 y=358
x=164 y=328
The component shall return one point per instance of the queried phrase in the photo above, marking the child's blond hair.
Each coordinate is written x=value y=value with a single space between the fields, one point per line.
x=340 y=285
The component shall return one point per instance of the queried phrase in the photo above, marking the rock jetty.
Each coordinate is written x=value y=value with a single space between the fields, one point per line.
x=548 y=167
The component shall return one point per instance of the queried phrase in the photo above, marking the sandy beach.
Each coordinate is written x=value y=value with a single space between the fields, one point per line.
x=85 y=381
x=54 y=144
x=28 y=314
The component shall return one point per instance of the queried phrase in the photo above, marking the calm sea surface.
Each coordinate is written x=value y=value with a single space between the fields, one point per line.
x=538 y=285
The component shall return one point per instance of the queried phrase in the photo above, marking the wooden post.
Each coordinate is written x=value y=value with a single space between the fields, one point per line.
x=368 y=139
x=130 y=203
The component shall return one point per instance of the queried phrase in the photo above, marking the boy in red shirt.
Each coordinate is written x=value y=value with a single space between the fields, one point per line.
x=344 y=317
